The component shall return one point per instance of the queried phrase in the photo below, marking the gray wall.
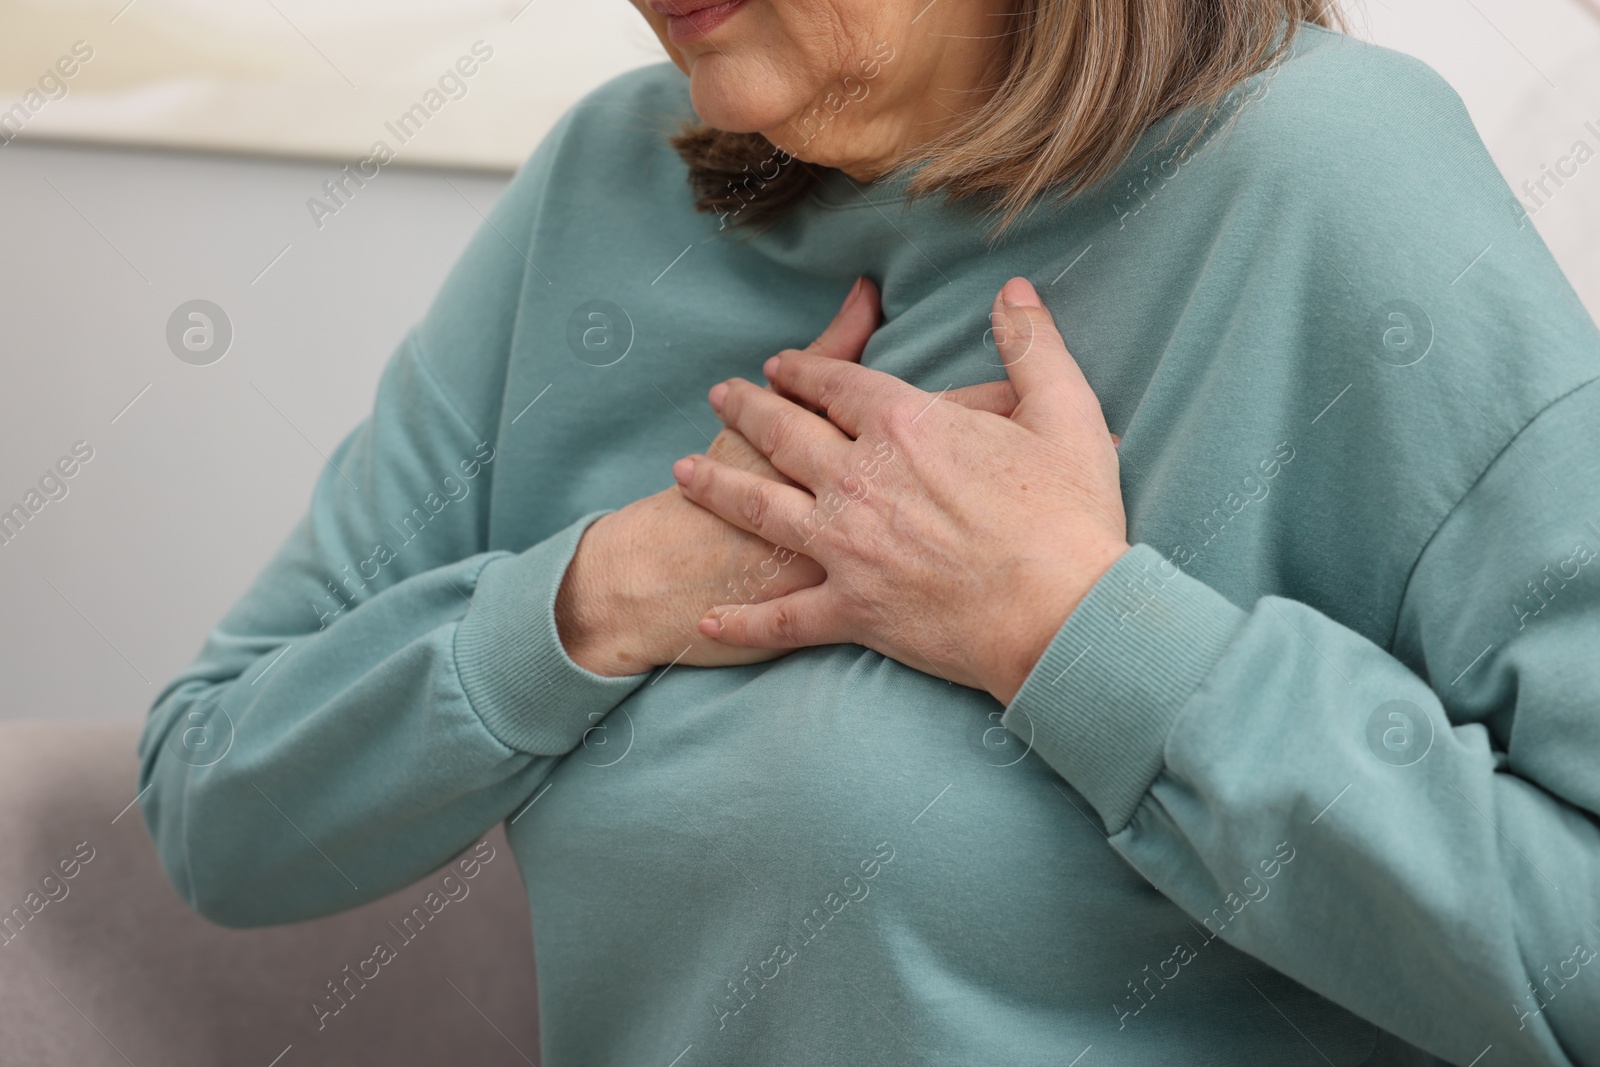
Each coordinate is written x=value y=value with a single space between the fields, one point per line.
x=109 y=590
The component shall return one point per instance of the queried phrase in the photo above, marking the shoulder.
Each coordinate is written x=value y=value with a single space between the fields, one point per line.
x=1355 y=147
x=1347 y=198
x=1336 y=108
x=1322 y=61
x=609 y=148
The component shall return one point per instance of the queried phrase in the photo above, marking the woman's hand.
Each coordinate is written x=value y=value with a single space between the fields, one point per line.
x=643 y=576
x=955 y=541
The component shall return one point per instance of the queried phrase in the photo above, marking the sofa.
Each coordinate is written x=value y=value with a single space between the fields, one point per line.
x=102 y=963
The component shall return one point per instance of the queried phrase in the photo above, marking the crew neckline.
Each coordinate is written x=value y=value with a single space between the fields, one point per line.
x=837 y=191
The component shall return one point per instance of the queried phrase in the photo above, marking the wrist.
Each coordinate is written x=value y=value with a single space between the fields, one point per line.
x=588 y=619
x=1048 y=603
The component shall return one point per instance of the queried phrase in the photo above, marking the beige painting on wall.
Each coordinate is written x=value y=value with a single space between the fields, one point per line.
x=468 y=83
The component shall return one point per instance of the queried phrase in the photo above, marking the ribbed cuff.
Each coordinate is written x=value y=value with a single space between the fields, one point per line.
x=1099 y=703
x=518 y=676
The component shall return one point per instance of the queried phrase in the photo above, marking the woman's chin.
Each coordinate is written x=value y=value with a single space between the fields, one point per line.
x=726 y=102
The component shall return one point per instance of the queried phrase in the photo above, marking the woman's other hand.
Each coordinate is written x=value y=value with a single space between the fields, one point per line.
x=954 y=541
x=645 y=574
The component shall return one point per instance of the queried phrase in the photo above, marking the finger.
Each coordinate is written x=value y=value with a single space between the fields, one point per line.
x=1034 y=354
x=998 y=398
x=731 y=447
x=777 y=513
x=852 y=327
x=798 y=620
x=847 y=392
x=1036 y=358
x=804 y=446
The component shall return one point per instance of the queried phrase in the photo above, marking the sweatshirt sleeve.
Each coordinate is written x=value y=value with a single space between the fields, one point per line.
x=1418 y=845
x=388 y=688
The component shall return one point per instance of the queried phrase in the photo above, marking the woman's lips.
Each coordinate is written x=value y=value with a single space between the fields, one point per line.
x=690 y=20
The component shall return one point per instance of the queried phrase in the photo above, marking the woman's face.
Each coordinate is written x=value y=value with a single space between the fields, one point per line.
x=843 y=83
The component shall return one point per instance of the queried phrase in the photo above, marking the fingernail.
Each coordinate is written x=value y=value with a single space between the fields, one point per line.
x=770 y=368
x=1019 y=292
x=718 y=391
x=855 y=292
x=683 y=470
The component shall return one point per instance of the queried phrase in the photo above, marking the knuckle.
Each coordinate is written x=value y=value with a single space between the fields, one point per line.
x=702 y=480
x=785 y=626
x=758 y=504
x=733 y=402
x=1031 y=328
x=897 y=419
x=730 y=446
x=1020 y=338
x=731 y=623
x=830 y=388
x=778 y=433
x=788 y=360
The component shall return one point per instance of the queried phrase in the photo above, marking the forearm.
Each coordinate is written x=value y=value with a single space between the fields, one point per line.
x=352 y=760
x=1429 y=886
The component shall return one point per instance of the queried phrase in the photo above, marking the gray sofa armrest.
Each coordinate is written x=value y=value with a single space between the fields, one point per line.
x=109 y=966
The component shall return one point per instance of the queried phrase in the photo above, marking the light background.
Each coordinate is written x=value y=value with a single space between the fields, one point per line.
x=317 y=77
x=199 y=472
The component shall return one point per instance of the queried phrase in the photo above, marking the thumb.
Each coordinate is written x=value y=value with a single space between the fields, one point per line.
x=852 y=327
x=1036 y=358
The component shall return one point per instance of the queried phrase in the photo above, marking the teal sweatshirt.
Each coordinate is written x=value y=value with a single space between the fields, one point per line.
x=1310 y=776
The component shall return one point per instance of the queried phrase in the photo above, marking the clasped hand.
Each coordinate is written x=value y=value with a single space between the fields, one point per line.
x=955 y=539
x=642 y=576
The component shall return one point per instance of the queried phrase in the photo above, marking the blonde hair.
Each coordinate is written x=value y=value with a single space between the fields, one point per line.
x=1079 y=82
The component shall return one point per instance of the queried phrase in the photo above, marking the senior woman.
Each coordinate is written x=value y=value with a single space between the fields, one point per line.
x=922 y=721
